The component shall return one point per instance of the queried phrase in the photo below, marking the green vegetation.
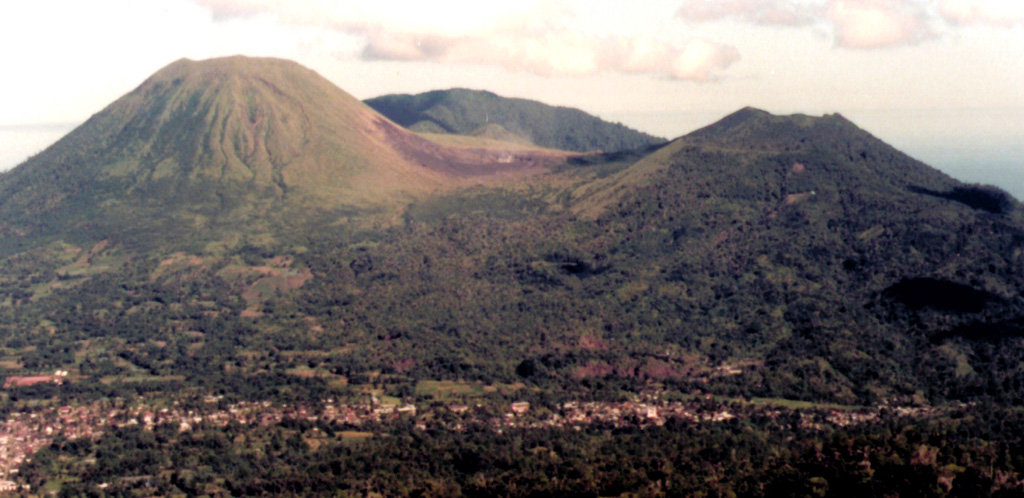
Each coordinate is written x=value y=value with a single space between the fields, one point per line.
x=807 y=271
x=480 y=113
x=970 y=454
x=217 y=150
x=795 y=262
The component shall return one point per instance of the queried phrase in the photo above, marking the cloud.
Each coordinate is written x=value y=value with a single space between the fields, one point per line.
x=235 y=9
x=383 y=45
x=984 y=12
x=767 y=12
x=878 y=23
x=538 y=38
x=558 y=54
x=699 y=59
x=857 y=24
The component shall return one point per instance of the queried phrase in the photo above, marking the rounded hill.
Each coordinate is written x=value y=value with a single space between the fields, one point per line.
x=465 y=112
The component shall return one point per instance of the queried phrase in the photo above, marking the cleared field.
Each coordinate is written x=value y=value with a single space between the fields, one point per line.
x=441 y=389
x=142 y=378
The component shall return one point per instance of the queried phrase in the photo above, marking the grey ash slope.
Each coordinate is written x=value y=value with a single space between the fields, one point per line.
x=466 y=112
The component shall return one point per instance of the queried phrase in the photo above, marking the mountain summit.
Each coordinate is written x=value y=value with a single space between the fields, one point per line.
x=475 y=112
x=242 y=228
x=232 y=139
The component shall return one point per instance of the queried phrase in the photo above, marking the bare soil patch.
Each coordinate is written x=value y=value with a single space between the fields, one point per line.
x=468 y=162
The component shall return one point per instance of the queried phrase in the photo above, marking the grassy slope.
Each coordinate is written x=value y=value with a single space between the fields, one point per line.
x=467 y=112
x=764 y=242
x=233 y=144
x=227 y=139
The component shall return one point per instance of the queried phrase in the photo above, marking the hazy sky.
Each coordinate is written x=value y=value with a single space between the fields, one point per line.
x=933 y=77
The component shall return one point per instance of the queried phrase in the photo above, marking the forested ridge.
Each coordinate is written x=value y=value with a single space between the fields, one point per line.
x=475 y=112
x=762 y=262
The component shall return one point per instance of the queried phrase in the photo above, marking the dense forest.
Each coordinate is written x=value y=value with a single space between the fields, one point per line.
x=786 y=271
x=830 y=285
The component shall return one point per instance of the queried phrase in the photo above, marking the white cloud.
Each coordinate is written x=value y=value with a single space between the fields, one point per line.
x=857 y=24
x=232 y=9
x=699 y=59
x=385 y=45
x=989 y=12
x=536 y=38
x=768 y=12
x=878 y=23
x=452 y=17
x=559 y=54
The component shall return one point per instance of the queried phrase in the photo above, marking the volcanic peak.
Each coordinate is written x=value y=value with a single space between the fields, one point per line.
x=240 y=138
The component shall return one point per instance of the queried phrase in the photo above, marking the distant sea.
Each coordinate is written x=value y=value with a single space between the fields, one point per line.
x=971 y=145
x=1001 y=166
x=974 y=146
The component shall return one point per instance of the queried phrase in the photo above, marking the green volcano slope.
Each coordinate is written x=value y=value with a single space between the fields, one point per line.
x=234 y=142
x=813 y=312
x=839 y=265
x=777 y=256
x=473 y=112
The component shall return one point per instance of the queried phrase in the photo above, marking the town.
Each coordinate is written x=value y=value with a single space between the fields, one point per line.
x=25 y=432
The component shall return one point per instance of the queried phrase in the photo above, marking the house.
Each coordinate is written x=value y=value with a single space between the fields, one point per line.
x=458 y=408
x=31 y=380
x=520 y=407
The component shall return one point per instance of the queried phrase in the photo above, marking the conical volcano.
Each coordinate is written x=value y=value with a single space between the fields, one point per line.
x=232 y=139
x=265 y=123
